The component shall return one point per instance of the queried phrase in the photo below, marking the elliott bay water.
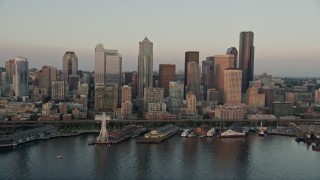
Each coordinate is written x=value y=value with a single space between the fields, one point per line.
x=269 y=157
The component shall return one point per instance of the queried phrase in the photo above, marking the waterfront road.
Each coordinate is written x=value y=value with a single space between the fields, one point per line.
x=83 y=122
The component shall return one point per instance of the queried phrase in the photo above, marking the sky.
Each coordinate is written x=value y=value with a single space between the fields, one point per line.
x=286 y=32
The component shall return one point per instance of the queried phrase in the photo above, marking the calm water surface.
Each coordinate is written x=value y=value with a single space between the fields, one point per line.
x=269 y=157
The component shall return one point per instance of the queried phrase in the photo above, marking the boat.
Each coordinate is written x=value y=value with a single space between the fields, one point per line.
x=211 y=132
x=59 y=157
x=234 y=131
x=191 y=134
x=185 y=133
x=252 y=129
x=261 y=133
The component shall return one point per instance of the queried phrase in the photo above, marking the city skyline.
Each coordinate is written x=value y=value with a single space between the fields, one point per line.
x=274 y=42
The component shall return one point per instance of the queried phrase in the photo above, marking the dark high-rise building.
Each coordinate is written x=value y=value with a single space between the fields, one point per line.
x=167 y=73
x=190 y=56
x=69 y=65
x=208 y=75
x=10 y=70
x=127 y=78
x=233 y=51
x=246 y=58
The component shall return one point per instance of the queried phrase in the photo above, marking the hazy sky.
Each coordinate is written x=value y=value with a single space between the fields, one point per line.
x=287 y=40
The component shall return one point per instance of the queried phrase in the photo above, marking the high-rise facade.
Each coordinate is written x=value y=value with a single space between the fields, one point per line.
x=190 y=56
x=254 y=99
x=233 y=51
x=145 y=66
x=191 y=100
x=126 y=93
x=127 y=78
x=193 y=80
x=106 y=98
x=58 y=90
x=208 y=75
x=108 y=73
x=108 y=66
x=232 y=86
x=21 y=77
x=222 y=62
x=126 y=98
x=175 y=94
x=10 y=70
x=69 y=65
x=212 y=98
x=246 y=58
x=47 y=75
x=167 y=73
x=153 y=95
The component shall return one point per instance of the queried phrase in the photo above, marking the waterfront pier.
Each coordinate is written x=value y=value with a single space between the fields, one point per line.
x=158 y=135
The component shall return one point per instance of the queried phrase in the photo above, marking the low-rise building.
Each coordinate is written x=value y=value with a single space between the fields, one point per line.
x=282 y=109
x=229 y=112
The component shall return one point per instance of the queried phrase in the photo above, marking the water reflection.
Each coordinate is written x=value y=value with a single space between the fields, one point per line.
x=179 y=158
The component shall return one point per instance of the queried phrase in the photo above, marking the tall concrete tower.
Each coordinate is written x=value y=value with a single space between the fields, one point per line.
x=145 y=66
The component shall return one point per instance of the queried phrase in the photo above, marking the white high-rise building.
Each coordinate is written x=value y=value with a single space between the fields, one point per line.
x=108 y=66
x=145 y=66
x=20 y=76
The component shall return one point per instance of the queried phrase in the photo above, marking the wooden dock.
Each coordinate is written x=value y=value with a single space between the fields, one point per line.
x=282 y=134
x=110 y=141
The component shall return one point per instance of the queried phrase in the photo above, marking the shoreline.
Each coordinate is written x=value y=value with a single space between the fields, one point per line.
x=12 y=145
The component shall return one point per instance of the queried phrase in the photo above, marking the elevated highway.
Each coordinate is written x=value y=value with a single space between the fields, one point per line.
x=92 y=122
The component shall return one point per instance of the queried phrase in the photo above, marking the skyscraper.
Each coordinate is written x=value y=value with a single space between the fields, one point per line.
x=167 y=73
x=10 y=70
x=232 y=86
x=193 y=80
x=46 y=76
x=145 y=66
x=70 y=65
x=20 y=76
x=108 y=66
x=126 y=97
x=222 y=62
x=233 y=51
x=246 y=58
x=208 y=75
x=190 y=56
